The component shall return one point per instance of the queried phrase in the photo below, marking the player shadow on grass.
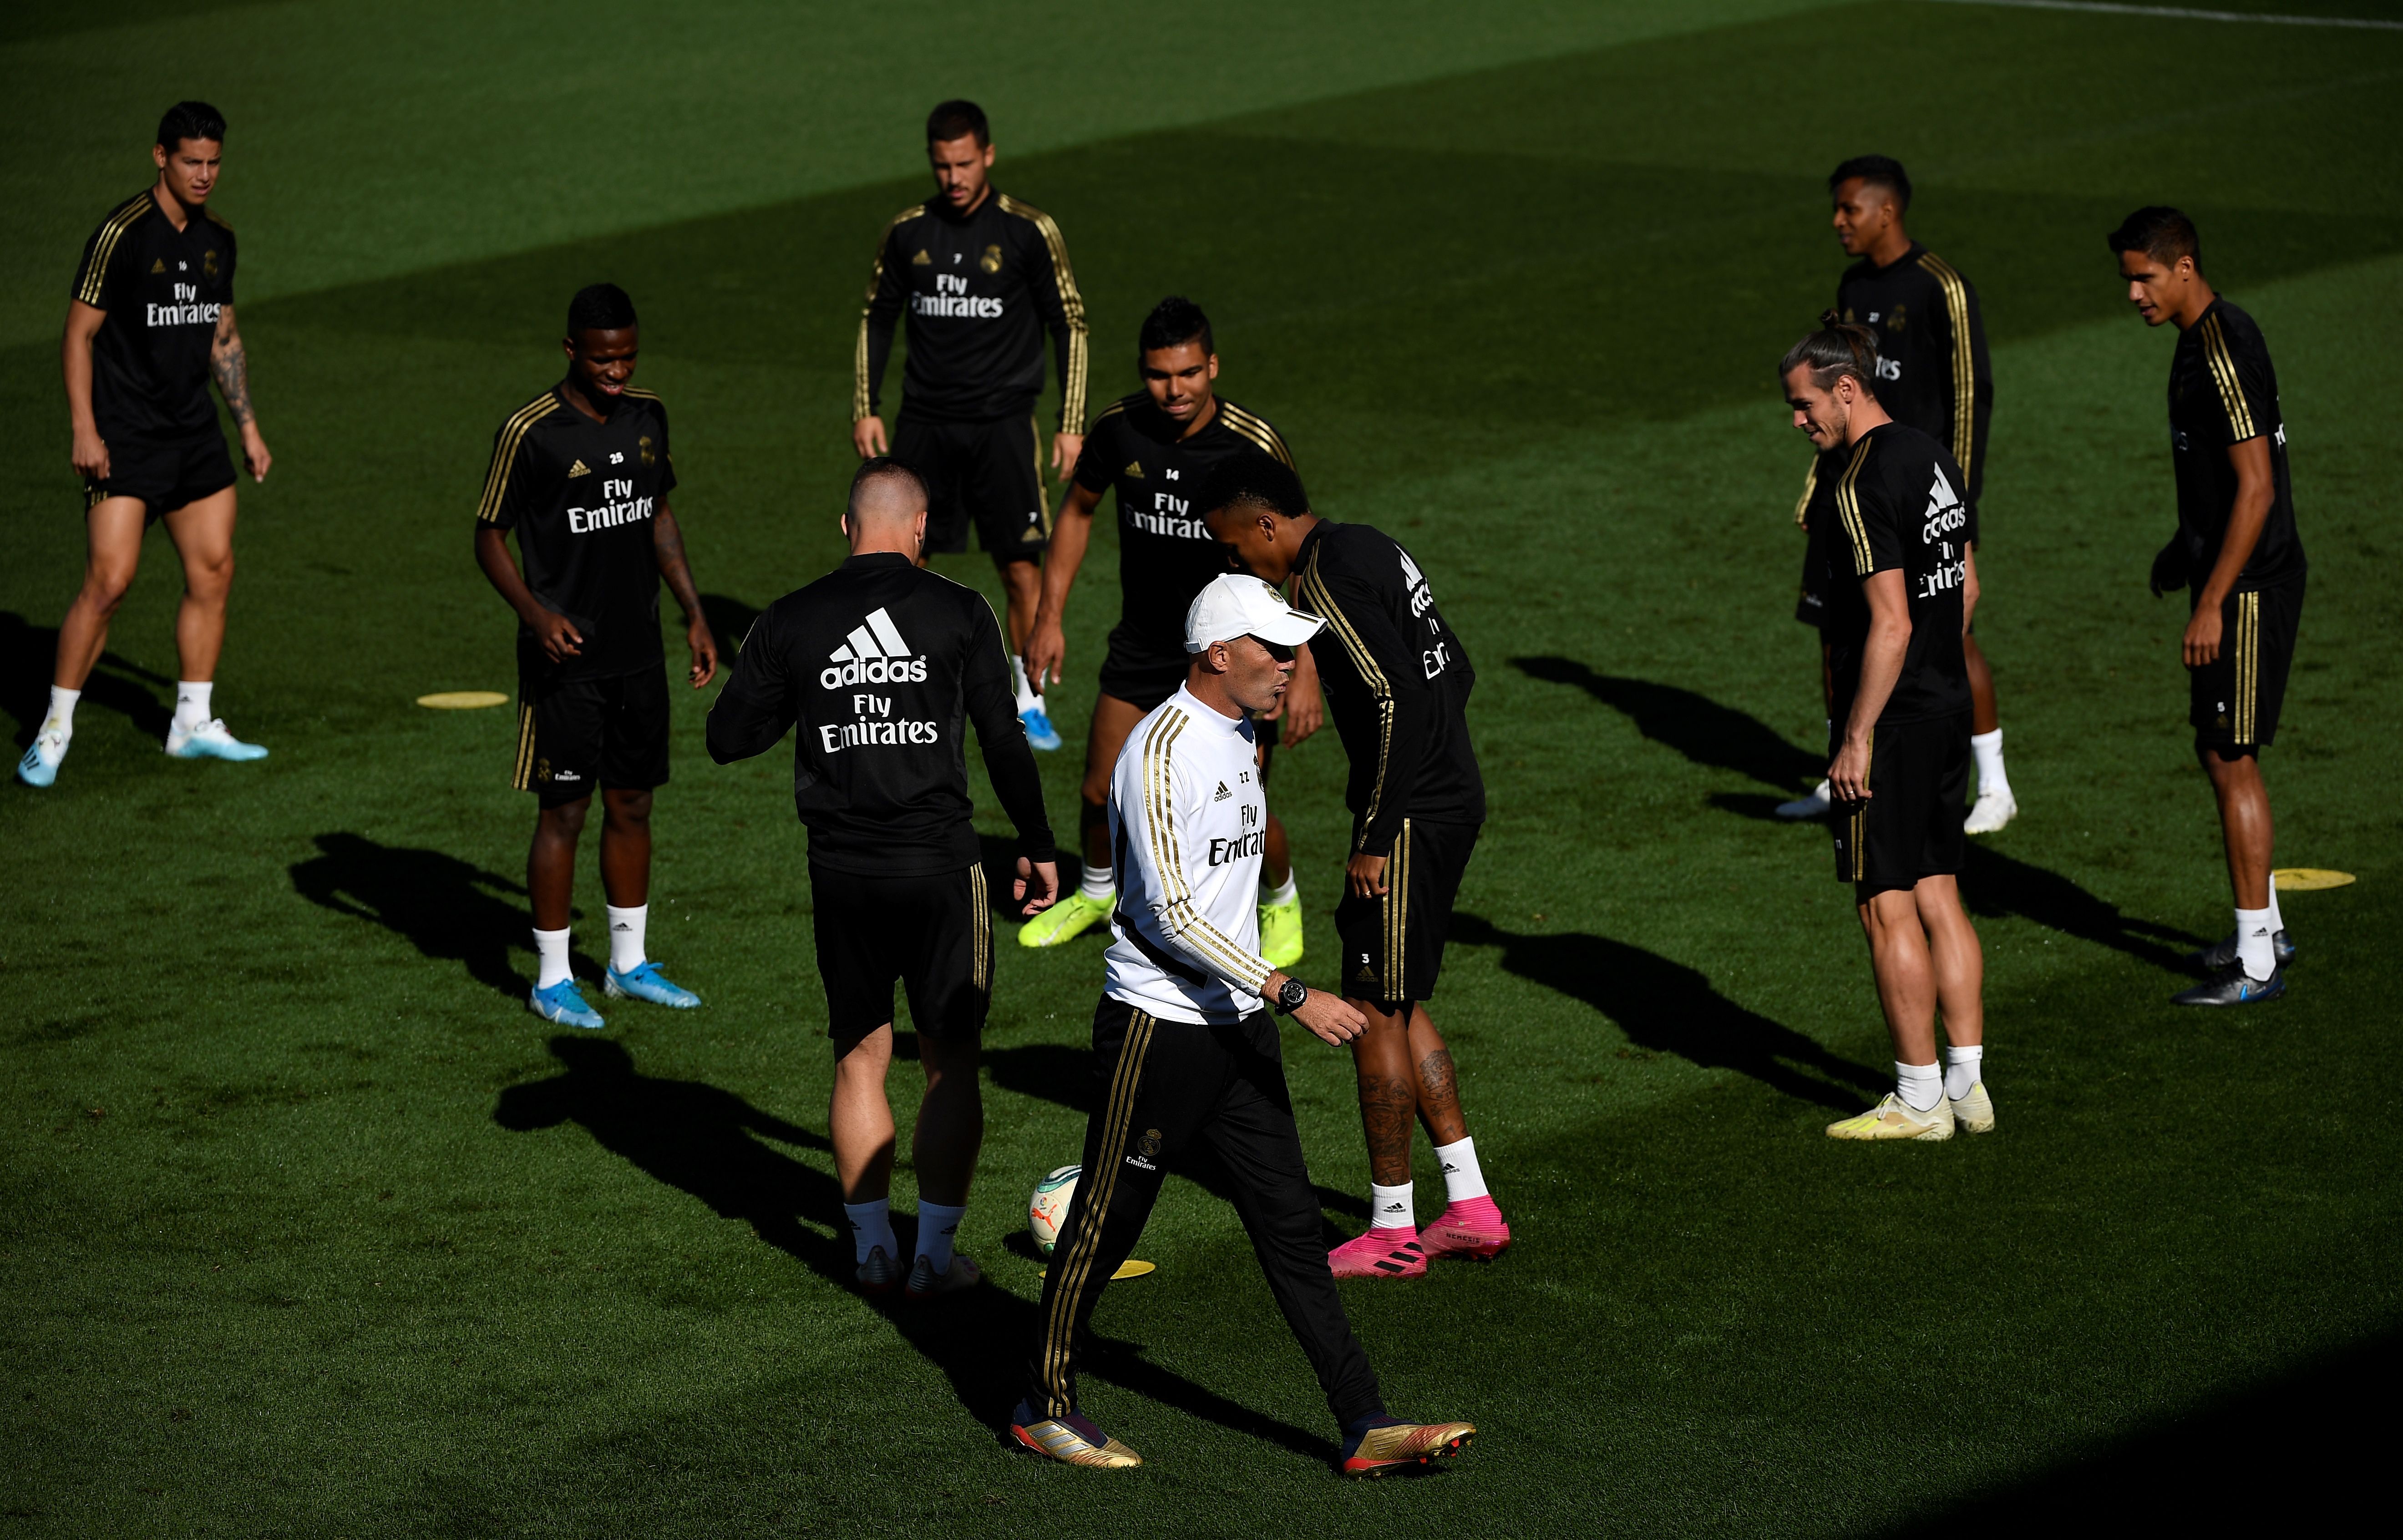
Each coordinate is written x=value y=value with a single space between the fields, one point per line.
x=1669 y=1008
x=716 y=1146
x=1994 y=885
x=447 y=908
x=30 y=651
x=1694 y=725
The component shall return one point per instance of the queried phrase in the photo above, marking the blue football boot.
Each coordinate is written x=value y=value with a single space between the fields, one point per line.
x=564 y=1003
x=209 y=741
x=1040 y=734
x=644 y=981
x=40 y=765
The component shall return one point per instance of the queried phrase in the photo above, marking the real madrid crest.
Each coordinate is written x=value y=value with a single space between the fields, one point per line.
x=991 y=260
x=650 y=455
x=1149 y=1144
x=209 y=263
x=1895 y=321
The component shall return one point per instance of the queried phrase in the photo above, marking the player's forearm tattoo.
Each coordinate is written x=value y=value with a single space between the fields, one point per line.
x=1435 y=1080
x=232 y=372
x=1386 y=1109
x=667 y=542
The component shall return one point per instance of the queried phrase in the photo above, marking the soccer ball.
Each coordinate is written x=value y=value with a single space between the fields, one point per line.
x=1049 y=1208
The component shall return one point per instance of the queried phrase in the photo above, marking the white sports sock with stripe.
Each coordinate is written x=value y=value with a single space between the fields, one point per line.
x=939 y=1226
x=1391 y=1209
x=871 y=1226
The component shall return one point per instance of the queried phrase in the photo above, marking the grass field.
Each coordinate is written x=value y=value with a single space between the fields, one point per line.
x=306 y=1227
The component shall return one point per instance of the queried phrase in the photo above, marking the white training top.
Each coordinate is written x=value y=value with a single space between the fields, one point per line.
x=1187 y=819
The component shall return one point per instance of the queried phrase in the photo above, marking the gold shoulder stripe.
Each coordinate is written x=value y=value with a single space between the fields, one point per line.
x=2223 y=372
x=1256 y=428
x=1072 y=389
x=1313 y=592
x=859 y=393
x=1114 y=409
x=1810 y=490
x=641 y=395
x=1848 y=511
x=1965 y=376
x=95 y=275
x=217 y=219
x=505 y=452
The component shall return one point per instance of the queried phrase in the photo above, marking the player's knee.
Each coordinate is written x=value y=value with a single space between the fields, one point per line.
x=629 y=810
x=564 y=821
x=105 y=590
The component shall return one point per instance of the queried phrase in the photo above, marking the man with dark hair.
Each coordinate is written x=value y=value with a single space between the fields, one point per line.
x=1934 y=374
x=1185 y=1056
x=1901 y=587
x=582 y=473
x=881 y=664
x=1397 y=682
x=2237 y=547
x=1156 y=447
x=150 y=322
x=983 y=276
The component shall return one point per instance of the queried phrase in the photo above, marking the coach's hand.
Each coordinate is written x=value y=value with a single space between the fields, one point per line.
x=1364 y=875
x=1038 y=886
x=1329 y=1017
x=868 y=436
x=1847 y=778
x=1047 y=650
x=91 y=455
x=2201 y=644
x=703 y=642
x=1065 y=447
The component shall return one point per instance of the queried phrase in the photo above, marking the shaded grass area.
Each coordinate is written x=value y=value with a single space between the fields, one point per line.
x=312 y=1228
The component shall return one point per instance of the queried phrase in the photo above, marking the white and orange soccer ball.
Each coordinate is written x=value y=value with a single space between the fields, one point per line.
x=1049 y=1208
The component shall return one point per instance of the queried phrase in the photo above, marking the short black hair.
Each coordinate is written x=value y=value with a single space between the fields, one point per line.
x=600 y=307
x=2161 y=233
x=956 y=117
x=1173 y=322
x=1877 y=170
x=190 y=120
x=1255 y=477
x=880 y=467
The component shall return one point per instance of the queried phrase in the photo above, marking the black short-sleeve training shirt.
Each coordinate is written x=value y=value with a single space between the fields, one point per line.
x=1898 y=505
x=2223 y=391
x=1165 y=553
x=163 y=290
x=582 y=496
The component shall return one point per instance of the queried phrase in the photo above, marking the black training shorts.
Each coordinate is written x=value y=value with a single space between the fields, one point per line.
x=1393 y=946
x=2234 y=700
x=1142 y=673
x=166 y=474
x=988 y=473
x=1919 y=793
x=932 y=933
x=606 y=732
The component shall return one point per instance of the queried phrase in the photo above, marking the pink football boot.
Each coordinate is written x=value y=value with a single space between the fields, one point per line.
x=1379 y=1253
x=1473 y=1229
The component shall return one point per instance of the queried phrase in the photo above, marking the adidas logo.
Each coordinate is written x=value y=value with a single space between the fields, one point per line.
x=158 y=265
x=579 y=469
x=873 y=654
x=922 y=259
x=1134 y=470
x=1223 y=793
x=1409 y=570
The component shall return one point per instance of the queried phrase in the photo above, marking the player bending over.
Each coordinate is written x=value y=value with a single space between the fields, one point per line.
x=983 y=276
x=2236 y=547
x=1903 y=585
x=1156 y=447
x=880 y=663
x=149 y=322
x=1397 y=682
x=581 y=473
x=1184 y=1056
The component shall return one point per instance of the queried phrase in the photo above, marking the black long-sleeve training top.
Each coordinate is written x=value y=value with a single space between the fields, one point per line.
x=883 y=665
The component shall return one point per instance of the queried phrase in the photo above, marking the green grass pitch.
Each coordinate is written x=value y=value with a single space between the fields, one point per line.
x=307 y=1227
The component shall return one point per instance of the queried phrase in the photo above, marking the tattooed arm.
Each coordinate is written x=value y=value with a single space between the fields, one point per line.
x=233 y=371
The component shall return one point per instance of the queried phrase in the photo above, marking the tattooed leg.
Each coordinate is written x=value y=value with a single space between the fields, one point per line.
x=1380 y=1058
x=1438 y=1089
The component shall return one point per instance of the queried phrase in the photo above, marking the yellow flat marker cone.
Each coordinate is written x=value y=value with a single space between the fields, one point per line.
x=2308 y=879
x=1128 y=1268
x=473 y=700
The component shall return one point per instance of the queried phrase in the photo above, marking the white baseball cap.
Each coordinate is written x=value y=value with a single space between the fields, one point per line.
x=1234 y=605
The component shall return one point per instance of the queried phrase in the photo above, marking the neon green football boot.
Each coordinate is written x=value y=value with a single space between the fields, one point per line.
x=1065 y=920
x=1281 y=934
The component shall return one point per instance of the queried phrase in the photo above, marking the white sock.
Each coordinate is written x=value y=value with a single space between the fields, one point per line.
x=550 y=958
x=626 y=927
x=2277 y=920
x=2253 y=947
x=1027 y=700
x=1920 y=1085
x=62 y=716
x=871 y=1226
x=939 y=1226
x=1389 y=1209
x=1988 y=748
x=1283 y=894
x=1961 y=1067
x=192 y=703
x=1462 y=1178
x=1099 y=884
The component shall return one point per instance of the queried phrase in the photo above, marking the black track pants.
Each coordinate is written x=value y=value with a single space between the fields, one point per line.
x=1160 y=1090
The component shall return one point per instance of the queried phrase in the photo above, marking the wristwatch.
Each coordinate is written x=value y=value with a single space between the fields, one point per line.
x=1289 y=996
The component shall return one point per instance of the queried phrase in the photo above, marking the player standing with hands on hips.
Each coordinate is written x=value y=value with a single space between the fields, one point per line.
x=2236 y=547
x=983 y=276
x=582 y=473
x=1902 y=585
x=1185 y=1051
x=149 y=324
x=1397 y=682
x=883 y=665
